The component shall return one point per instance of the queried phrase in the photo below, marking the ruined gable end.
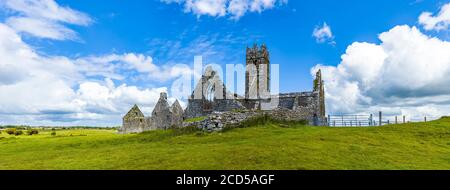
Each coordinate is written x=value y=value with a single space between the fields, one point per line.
x=134 y=121
x=177 y=114
x=211 y=95
x=162 y=114
x=133 y=113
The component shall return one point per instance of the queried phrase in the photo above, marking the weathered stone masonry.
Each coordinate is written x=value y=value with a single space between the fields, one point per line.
x=306 y=105
x=211 y=98
x=163 y=117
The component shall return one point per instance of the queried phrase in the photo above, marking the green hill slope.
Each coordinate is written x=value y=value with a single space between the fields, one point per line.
x=270 y=146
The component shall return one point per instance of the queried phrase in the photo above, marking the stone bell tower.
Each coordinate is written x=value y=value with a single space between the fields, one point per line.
x=259 y=57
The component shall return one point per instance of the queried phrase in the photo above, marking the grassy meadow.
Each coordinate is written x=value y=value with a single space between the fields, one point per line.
x=261 y=147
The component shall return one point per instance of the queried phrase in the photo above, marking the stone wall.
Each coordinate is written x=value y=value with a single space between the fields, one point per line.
x=197 y=108
x=134 y=121
x=194 y=109
x=211 y=98
x=162 y=114
x=217 y=121
x=177 y=114
x=291 y=107
x=227 y=105
x=136 y=125
x=163 y=117
x=149 y=126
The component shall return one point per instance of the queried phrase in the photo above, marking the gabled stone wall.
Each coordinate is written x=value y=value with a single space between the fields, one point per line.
x=134 y=121
x=163 y=117
x=177 y=114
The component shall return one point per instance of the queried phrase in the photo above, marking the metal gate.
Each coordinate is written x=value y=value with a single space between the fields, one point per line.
x=350 y=120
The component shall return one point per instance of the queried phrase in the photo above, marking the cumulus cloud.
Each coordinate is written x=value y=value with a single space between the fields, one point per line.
x=105 y=97
x=438 y=22
x=220 y=8
x=41 y=28
x=407 y=73
x=323 y=34
x=113 y=64
x=38 y=89
x=44 y=18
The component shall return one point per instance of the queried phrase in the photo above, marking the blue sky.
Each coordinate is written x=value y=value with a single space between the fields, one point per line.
x=107 y=44
x=286 y=29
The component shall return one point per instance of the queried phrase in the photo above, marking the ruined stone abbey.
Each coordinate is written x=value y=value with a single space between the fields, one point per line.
x=220 y=107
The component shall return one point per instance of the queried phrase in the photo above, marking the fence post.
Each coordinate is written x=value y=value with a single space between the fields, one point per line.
x=371 y=120
x=329 y=120
x=404 y=119
x=334 y=123
x=396 y=120
x=380 y=118
x=425 y=119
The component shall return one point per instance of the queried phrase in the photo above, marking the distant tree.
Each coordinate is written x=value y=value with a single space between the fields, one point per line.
x=32 y=132
x=11 y=131
x=18 y=133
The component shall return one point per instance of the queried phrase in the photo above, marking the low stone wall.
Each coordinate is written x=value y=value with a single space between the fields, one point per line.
x=217 y=121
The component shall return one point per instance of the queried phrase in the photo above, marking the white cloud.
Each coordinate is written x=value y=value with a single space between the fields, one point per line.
x=48 y=9
x=111 y=65
x=323 y=34
x=105 y=97
x=44 y=18
x=41 y=28
x=220 y=8
x=39 y=89
x=441 y=21
x=407 y=73
x=35 y=86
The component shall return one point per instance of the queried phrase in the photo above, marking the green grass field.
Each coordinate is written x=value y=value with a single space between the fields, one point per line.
x=270 y=146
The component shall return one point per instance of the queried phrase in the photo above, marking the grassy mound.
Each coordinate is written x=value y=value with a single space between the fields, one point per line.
x=271 y=145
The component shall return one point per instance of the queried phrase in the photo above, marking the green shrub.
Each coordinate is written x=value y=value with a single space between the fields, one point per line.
x=53 y=133
x=18 y=133
x=32 y=132
x=11 y=131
